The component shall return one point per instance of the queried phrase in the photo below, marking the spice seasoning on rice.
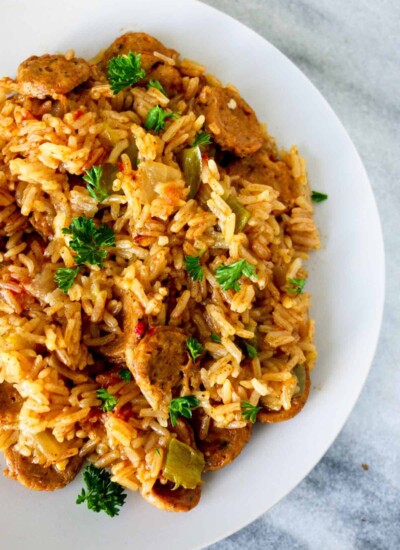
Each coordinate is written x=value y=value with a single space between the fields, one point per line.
x=152 y=274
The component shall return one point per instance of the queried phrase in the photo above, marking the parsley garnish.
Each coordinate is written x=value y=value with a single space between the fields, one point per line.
x=65 y=277
x=249 y=411
x=102 y=495
x=93 y=179
x=108 y=401
x=89 y=241
x=229 y=275
x=125 y=374
x=181 y=406
x=156 y=118
x=157 y=85
x=316 y=196
x=157 y=450
x=297 y=286
x=194 y=347
x=215 y=338
x=202 y=138
x=193 y=267
x=124 y=71
x=250 y=350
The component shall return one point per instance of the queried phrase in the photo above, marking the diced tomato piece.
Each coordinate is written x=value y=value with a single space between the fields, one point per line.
x=140 y=329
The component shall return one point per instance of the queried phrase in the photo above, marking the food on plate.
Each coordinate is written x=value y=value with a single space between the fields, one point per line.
x=152 y=278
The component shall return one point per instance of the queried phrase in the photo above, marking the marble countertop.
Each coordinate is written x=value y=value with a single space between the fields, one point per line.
x=350 y=50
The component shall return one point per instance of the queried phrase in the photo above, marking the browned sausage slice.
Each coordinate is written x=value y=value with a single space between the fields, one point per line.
x=10 y=405
x=259 y=168
x=231 y=120
x=158 y=361
x=37 y=477
x=115 y=352
x=271 y=417
x=51 y=75
x=167 y=498
x=137 y=42
x=222 y=445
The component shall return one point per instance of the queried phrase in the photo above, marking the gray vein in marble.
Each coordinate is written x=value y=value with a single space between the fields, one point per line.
x=350 y=50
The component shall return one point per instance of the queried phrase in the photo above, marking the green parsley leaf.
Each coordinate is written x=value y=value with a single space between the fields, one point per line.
x=194 y=347
x=250 y=350
x=125 y=374
x=181 y=406
x=65 y=277
x=156 y=118
x=193 y=267
x=297 y=286
x=102 y=495
x=157 y=85
x=249 y=411
x=124 y=71
x=108 y=401
x=157 y=450
x=215 y=338
x=93 y=179
x=229 y=275
x=316 y=196
x=88 y=241
x=202 y=138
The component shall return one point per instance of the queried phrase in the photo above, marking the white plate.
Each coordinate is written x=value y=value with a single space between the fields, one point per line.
x=346 y=280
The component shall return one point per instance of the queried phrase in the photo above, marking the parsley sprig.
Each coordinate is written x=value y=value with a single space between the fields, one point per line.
x=316 y=196
x=93 y=178
x=157 y=85
x=215 y=338
x=182 y=406
x=250 y=350
x=65 y=277
x=228 y=275
x=125 y=374
x=194 y=347
x=297 y=286
x=124 y=71
x=202 y=138
x=102 y=494
x=88 y=241
x=156 y=118
x=193 y=267
x=249 y=411
x=109 y=401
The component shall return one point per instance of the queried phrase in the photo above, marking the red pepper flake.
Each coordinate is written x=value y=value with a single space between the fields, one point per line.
x=205 y=157
x=140 y=329
x=120 y=166
x=125 y=412
x=79 y=113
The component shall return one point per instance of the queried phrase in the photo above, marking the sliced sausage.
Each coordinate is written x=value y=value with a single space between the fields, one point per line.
x=37 y=477
x=115 y=352
x=167 y=498
x=231 y=120
x=51 y=75
x=222 y=445
x=10 y=405
x=260 y=168
x=158 y=361
x=267 y=416
x=137 y=42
